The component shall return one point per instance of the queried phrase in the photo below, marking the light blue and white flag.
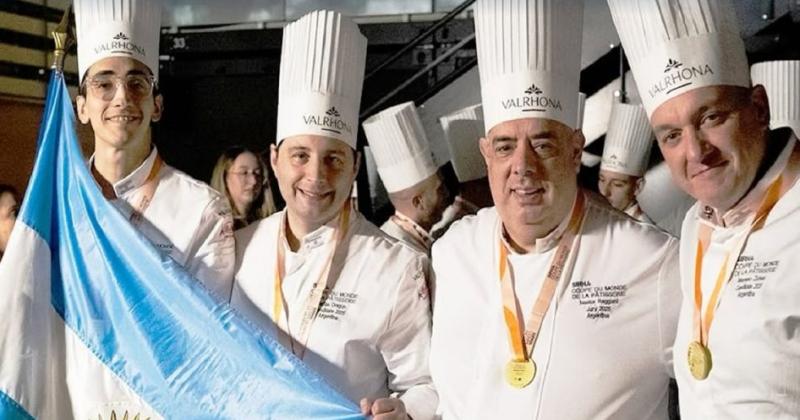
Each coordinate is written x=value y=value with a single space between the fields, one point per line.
x=95 y=322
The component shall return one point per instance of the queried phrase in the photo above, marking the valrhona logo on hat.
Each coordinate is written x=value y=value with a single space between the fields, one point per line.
x=120 y=43
x=532 y=101
x=678 y=76
x=330 y=122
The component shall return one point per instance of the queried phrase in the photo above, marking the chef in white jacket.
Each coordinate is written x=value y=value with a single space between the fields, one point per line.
x=626 y=153
x=405 y=164
x=184 y=218
x=737 y=346
x=347 y=299
x=118 y=63
x=551 y=305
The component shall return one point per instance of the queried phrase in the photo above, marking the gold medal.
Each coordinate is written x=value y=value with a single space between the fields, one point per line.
x=699 y=359
x=520 y=373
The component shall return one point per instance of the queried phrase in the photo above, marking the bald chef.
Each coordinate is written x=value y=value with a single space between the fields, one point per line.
x=738 y=340
x=626 y=154
x=344 y=297
x=536 y=316
x=405 y=164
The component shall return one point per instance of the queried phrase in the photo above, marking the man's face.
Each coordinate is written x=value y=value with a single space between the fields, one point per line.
x=434 y=199
x=532 y=166
x=619 y=189
x=119 y=116
x=713 y=140
x=314 y=175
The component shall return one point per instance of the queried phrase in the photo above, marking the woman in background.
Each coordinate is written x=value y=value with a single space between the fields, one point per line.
x=241 y=176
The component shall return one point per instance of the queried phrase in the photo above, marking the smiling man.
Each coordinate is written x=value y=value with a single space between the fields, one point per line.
x=550 y=305
x=626 y=153
x=737 y=343
x=348 y=300
x=118 y=62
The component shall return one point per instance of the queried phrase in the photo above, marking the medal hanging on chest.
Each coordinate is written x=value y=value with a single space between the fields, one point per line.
x=698 y=354
x=520 y=371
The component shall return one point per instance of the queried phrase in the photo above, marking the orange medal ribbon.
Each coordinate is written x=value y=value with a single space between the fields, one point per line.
x=521 y=370
x=325 y=281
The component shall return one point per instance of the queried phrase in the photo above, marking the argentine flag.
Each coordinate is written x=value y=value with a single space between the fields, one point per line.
x=95 y=323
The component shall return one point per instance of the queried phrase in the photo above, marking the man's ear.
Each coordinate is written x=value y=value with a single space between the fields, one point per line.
x=759 y=99
x=80 y=105
x=578 y=140
x=639 y=186
x=418 y=202
x=273 y=158
x=158 y=108
x=356 y=161
x=486 y=149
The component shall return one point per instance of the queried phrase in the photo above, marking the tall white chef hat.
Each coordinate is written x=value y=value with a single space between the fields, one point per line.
x=781 y=79
x=462 y=132
x=401 y=150
x=321 y=76
x=581 y=110
x=628 y=140
x=529 y=55
x=117 y=28
x=675 y=46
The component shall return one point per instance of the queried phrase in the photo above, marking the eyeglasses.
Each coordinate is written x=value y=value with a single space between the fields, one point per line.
x=255 y=173
x=104 y=86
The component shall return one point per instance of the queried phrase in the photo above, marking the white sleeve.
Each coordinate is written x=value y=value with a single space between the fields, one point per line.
x=669 y=303
x=212 y=254
x=405 y=345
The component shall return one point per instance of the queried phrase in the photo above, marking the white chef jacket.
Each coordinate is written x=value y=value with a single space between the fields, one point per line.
x=371 y=337
x=401 y=234
x=604 y=350
x=186 y=219
x=755 y=335
x=638 y=213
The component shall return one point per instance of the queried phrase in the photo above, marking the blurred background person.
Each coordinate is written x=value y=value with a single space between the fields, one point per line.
x=625 y=159
x=9 y=206
x=241 y=176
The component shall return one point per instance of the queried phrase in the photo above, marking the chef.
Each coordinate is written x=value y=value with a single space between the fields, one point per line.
x=345 y=298
x=182 y=217
x=736 y=349
x=781 y=79
x=626 y=153
x=462 y=129
x=118 y=96
x=405 y=164
x=536 y=315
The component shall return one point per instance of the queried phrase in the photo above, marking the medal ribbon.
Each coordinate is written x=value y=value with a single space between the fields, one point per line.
x=408 y=225
x=148 y=189
x=523 y=344
x=325 y=280
x=702 y=324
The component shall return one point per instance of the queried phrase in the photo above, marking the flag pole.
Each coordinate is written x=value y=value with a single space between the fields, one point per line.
x=63 y=39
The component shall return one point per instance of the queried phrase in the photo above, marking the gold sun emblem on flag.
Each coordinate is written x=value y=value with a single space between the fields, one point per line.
x=125 y=416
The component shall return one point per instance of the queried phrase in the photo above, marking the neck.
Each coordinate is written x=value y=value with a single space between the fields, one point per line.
x=297 y=228
x=476 y=192
x=113 y=164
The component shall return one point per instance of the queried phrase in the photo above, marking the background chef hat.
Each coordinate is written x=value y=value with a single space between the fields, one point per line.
x=117 y=28
x=628 y=140
x=781 y=79
x=322 y=71
x=462 y=132
x=529 y=59
x=400 y=148
x=675 y=46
